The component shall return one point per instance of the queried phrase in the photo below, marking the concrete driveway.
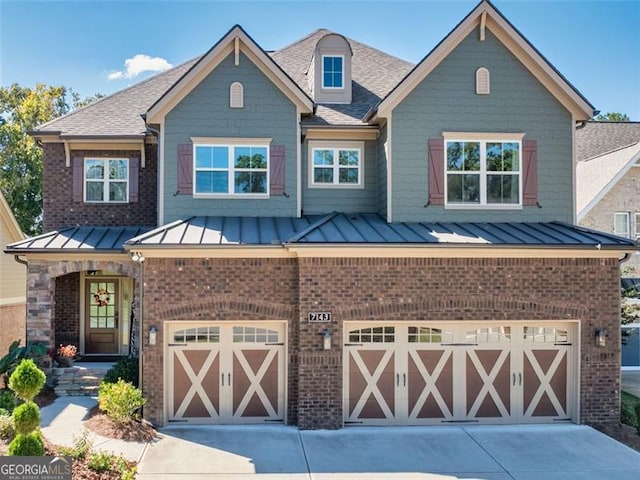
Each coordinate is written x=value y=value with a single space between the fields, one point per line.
x=550 y=452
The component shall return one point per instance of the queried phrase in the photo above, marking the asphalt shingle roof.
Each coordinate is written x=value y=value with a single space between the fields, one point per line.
x=374 y=74
x=598 y=138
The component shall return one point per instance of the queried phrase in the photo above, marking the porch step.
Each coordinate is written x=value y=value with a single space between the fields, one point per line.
x=78 y=380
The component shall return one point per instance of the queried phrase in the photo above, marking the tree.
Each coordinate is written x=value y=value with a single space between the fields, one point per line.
x=613 y=117
x=21 y=110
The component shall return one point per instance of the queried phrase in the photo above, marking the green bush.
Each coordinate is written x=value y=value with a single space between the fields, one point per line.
x=100 y=461
x=121 y=401
x=126 y=369
x=26 y=418
x=7 y=400
x=16 y=354
x=80 y=447
x=7 y=430
x=27 y=380
x=27 y=445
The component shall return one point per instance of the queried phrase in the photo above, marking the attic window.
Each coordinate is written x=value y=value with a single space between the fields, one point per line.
x=236 y=95
x=483 y=81
x=332 y=71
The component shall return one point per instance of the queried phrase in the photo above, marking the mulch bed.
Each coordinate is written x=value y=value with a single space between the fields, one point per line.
x=622 y=433
x=99 y=423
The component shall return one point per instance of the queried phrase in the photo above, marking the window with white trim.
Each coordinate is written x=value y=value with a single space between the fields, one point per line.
x=241 y=170
x=106 y=180
x=621 y=224
x=336 y=164
x=637 y=227
x=332 y=71
x=483 y=172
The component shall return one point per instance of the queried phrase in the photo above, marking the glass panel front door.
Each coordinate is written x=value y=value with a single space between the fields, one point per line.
x=102 y=316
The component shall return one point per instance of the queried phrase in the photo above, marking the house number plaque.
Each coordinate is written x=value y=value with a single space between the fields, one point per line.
x=319 y=317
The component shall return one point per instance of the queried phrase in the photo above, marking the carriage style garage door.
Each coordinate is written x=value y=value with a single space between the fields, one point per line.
x=225 y=373
x=415 y=373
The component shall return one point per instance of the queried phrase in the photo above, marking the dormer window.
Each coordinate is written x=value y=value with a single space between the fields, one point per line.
x=332 y=71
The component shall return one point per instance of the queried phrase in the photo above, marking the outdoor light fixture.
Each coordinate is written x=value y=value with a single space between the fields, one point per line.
x=601 y=337
x=326 y=339
x=153 y=334
x=137 y=257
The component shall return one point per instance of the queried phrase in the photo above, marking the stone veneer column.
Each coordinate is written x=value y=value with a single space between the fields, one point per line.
x=40 y=293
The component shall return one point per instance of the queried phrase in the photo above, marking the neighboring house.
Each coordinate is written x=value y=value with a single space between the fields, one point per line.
x=326 y=235
x=608 y=181
x=13 y=283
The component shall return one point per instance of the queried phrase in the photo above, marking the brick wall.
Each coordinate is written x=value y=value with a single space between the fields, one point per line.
x=13 y=325
x=66 y=325
x=61 y=211
x=457 y=289
x=219 y=290
x=387 y=290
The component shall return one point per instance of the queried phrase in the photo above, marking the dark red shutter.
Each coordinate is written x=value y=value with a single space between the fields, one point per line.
x=436 y=171
x=134 y=172
x=78 y=178
x=530 y=166
x=185 y=169
x=276 y=169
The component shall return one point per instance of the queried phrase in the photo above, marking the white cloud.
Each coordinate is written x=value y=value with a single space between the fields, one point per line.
x=139 y=64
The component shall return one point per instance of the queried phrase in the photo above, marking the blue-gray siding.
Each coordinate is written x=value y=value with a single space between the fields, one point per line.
x=348 y=200
x=446 y=101
x=205 y=112
x=382 y=171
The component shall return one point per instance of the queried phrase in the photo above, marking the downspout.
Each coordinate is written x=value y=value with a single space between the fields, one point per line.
x=19 y=260
x=26 y=264
x=581 y=124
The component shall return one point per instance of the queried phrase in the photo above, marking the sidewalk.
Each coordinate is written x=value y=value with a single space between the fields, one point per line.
x=62 y=421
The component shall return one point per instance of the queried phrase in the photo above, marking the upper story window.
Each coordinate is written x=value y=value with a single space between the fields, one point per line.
x=231 y=170
x=621 y=224
x=483 y=172
x=336 y=164
x=106 y=180
x=332 y=71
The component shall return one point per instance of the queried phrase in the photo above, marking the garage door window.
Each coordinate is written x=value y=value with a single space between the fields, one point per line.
x=489 y=335
x=254 y=335
x=373 y=335
x=197 y=335
x=429 y=335
x=545 y=335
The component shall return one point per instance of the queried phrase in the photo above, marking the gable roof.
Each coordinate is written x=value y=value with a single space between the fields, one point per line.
x=598 y=138
x=485 y=15
x=7 y=217
x=117 y=115
x=596 y=176
x=234 y=40
x=374 y=75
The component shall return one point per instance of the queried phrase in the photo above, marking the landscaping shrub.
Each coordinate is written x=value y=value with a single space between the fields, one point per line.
x=7 y=400
x=27 y=380
x=30 y=445
x=16 y=354
x=26 y=418
x=101 y=461
x=80 y=447
x=7 y=430
x=126 y=369
x=121 y=401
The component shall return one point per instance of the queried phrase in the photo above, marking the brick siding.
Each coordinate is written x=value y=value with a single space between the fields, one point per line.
x=386 y=290
x=61 y=211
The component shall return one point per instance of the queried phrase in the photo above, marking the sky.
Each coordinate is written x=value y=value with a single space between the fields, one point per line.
x=105 y=46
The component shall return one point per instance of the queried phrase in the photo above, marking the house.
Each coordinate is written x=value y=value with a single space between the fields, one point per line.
x=13 y=283
x=608 y=181
x=325 y=235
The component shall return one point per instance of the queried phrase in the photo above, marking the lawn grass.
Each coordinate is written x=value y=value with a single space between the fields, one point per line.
x=628 y=413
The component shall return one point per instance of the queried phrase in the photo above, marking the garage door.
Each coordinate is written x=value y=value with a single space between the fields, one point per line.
x=226 y=373
x=417 y=373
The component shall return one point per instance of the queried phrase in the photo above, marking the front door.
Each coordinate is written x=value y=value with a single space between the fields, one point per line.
x=102 y=316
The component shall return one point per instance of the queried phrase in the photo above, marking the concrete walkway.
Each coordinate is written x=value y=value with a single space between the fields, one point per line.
x=275 y=452
x=62 y=422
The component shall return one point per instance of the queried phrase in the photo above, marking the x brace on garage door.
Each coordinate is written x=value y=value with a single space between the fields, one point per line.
x=226 y=373
x=418 y=373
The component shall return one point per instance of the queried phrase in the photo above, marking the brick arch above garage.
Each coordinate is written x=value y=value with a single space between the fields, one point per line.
x=225 y=307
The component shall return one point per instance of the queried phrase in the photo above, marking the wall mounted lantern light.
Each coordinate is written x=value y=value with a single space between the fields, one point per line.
x=153 y=334
x=326 y=339
x=601 y=337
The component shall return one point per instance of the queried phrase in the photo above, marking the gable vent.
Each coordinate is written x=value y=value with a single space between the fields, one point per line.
x=236 y=95
x=483 y=81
